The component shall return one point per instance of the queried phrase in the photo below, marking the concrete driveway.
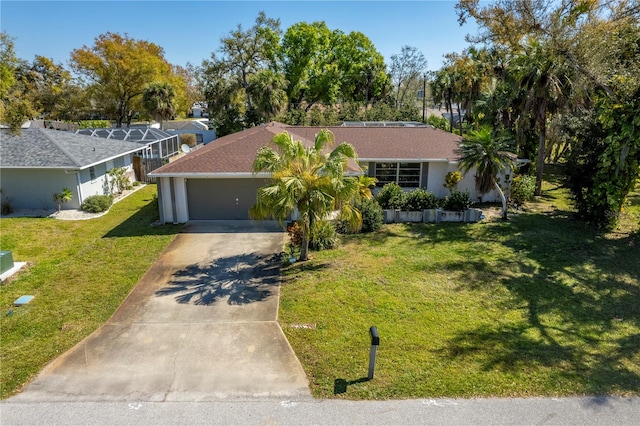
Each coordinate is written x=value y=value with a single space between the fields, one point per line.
x=201 y=325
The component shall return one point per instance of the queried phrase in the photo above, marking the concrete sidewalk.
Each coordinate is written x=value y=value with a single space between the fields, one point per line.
x=201 y=325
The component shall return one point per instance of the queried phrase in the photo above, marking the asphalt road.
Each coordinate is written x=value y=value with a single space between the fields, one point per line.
x=533 y=411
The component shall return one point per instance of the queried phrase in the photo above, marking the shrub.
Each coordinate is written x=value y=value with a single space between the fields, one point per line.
x=97 y=203
x=457 y=201
x=323 y=236
x=419 y=199
x=451 y=180
x=188 y=139
x=523 y=188
x=372 y=218
x=119 y=180
x=95 y=124
x=391 y=196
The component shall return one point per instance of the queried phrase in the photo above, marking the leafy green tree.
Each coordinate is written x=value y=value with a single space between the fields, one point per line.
x=158 y=99
x=307 y=179
x=48 y=85
x=489 y=156
x=307 y=58
x=118 y=69
x=246 y=52
x=15 y=102
x=362 y=69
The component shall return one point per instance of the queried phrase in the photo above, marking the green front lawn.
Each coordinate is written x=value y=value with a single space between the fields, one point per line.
x=79 y=273
x=539 y=305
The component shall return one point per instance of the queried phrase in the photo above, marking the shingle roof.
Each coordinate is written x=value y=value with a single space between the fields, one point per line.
x=54 y=149
x=235 y=153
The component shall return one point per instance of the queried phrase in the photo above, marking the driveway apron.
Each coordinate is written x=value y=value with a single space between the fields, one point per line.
x=201 y=325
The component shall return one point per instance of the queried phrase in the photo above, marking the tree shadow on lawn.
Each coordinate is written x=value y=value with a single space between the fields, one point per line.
x=242 y=279
x=580 y=293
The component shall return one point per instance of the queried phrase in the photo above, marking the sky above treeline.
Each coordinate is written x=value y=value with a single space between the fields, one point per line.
x=189 y=31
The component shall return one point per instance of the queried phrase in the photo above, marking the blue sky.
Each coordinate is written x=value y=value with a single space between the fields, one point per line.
x=190 y=30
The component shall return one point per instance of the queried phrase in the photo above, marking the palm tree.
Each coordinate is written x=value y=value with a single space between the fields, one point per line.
x=305 y=179
x=62 y=197
x=158 y=100
x=268 y=92
x=489 y=156
x=546 y=82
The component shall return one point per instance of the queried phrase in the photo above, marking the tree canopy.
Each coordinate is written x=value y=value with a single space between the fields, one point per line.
x=117 y=69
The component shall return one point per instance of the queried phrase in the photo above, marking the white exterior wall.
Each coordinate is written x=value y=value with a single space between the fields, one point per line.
x=437 y=173
x=98 y=186
x=34 y=188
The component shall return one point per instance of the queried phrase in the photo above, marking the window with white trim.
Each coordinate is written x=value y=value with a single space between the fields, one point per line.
x=407 y=175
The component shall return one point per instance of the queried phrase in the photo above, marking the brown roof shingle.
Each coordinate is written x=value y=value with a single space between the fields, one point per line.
x=235 y=153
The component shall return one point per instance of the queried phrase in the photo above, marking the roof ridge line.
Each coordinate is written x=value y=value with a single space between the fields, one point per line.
x=47 y=135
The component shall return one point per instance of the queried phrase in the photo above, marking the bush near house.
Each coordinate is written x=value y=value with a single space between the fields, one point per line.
x=419 y=199
x=97 y=203
x=372 y=218
x=391 y=196
x=457 y=201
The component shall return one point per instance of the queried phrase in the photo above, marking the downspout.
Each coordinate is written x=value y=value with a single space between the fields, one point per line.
x=80 y=196
x=78 y=185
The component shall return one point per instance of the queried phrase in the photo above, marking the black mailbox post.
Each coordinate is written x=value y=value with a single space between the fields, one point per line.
x=375 y=342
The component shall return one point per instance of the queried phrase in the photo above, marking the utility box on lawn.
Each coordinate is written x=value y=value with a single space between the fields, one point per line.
x=6 y=261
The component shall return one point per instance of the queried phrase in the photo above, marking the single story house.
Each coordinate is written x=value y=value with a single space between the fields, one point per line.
x=216 y=182
x=40 y=162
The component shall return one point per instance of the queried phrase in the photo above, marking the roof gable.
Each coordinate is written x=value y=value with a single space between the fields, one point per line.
x=45 y=148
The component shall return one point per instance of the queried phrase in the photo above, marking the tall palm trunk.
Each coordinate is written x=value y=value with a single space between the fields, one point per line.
x=306 y=238
x=503 y=198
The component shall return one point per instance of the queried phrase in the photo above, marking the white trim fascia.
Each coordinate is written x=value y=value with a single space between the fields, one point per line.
x=111 y=158
x=228 y=175
x=405 y=160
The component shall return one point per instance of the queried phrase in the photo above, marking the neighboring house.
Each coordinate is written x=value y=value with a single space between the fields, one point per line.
x=216 y=181
x=156 y=143
x=196 y=127
x=199 y=110
x=41 y=162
